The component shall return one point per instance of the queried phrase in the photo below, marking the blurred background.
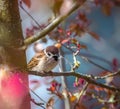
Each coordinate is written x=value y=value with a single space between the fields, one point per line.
x=104 y=52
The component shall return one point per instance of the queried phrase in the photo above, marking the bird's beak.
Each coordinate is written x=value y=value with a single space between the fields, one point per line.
x=56 y=57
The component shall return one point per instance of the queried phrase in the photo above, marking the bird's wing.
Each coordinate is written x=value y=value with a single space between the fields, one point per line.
x=34 y=61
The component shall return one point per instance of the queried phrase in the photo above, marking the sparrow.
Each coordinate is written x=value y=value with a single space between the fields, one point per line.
x=45 y=60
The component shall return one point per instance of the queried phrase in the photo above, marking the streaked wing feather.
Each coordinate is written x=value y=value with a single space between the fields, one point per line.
x=34 y=61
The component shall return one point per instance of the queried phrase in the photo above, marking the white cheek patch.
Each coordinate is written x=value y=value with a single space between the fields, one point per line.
x=51 y=55
x=45 y=52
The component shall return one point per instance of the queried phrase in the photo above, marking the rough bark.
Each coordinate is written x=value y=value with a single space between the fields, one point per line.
x=11 y=40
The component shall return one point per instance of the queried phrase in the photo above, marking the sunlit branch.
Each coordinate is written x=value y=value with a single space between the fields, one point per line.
x=88 y=78
x=108 y=75
x=83 y=91
x=108 y=101
x=51 y=26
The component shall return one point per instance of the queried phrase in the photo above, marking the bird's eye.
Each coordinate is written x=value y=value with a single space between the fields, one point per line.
x=49 y=54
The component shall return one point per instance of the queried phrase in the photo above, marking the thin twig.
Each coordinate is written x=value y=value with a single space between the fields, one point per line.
x=88 y=60
x=32 y=91
x=82 y=92
x=20 y=5
x=108 y=75
x=38 y=104
x=108 y=101
x=37 y=95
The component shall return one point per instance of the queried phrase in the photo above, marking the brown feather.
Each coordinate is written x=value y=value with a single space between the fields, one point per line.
x=34 y=61
x=52 y=49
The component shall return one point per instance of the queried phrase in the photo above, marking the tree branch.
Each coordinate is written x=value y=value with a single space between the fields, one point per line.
x=88 y=78
x=52 y=25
